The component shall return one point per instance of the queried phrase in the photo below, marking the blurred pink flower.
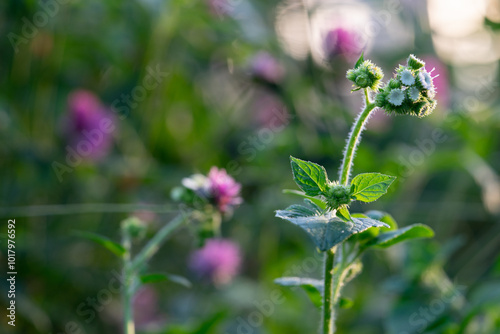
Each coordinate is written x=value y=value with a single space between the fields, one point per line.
x=218 y=261
x=270 y=111
x=89 y=122
x=342 y=42
x=266 y=67
x=220 y=7
x=218 y=187
x=145 y=306
x=441 y=82
x=224 y=189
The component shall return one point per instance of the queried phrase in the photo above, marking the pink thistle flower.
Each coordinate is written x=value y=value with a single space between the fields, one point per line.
x=218 y=261
x=224 y=189
x=85 y=124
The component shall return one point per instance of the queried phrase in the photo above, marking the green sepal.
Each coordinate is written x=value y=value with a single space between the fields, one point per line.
x=343 y=214
x=360 y=61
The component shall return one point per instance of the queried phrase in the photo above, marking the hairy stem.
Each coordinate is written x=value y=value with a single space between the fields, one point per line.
x=335 y=263
x=354 y=139
x=328 y=315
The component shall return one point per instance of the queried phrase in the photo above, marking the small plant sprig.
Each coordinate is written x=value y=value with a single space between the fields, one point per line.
x=207 y=200
x=325 y=215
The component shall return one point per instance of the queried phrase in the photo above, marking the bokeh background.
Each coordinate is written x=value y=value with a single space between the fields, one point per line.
x=242 y=85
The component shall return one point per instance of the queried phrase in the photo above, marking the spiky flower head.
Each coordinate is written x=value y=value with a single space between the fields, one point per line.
x=365 y=75
x=337 y=195
x=410 y=92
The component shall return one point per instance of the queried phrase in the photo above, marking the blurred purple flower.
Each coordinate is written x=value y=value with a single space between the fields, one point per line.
x=342 y=42
x=218 y=261
x=145 y=306
x=441 y=82
x=220 y=7
x=218 y=187
x=224 y=189
x=270 y=112
x=86 y=120
x=266 y=67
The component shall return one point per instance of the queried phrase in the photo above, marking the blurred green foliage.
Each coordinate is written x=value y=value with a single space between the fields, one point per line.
x=210 y=110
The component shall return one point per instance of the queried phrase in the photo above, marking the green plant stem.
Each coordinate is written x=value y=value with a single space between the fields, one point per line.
x=154 y=244
x=328 y=315
x=128 y=289
x=335 y=260
x=354 y=139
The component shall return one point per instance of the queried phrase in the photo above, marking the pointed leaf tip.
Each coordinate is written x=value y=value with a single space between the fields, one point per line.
x=310 y=177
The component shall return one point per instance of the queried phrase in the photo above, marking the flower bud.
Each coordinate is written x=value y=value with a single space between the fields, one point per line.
x=134 y=227
x=414 y=63
x=365 y=75
x=337 y=195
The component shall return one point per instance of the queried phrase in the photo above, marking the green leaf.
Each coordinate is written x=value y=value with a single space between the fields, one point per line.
x=307 y=210
x=313 y=287
x=155 y=278
x=326 y=229
x=383 y=217
x=344 y=214
x=310 y=177
x=368 y=187
x=315 y=200
x=360 y=60
x=109 y=244
x=388 y=239
x=345 y=303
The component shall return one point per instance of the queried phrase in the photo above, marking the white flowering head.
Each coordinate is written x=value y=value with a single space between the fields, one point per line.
x=413 y=93
x=410 y=92
x=396 y=97
x=407 y=77
x=425 y=79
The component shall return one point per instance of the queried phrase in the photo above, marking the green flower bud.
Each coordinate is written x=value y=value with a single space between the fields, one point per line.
x=394 y=83
x=365 y=75
x=337 y=195
x=414 y=63
x=134 y=227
